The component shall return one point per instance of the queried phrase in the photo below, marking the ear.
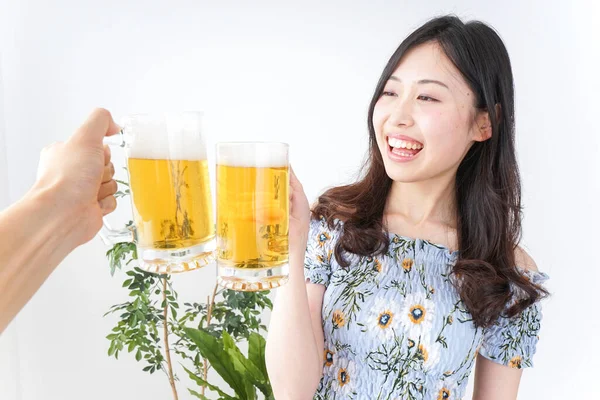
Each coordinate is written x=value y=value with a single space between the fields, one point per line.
x=483 y=126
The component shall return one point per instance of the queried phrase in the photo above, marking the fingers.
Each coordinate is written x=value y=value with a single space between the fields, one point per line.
x=109 y=168
x=298 y=201
x=50 y=147
x=107 y=155
x=293 y=185
x=108 y=204
x=108 y=173
x=98 y=125
x=107 y=189
x=294 y=182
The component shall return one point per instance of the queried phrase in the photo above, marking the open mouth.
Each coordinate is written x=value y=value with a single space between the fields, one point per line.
x=403 y=149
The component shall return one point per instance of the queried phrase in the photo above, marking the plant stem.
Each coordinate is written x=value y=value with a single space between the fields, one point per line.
x=211 y=304
x=166 y=338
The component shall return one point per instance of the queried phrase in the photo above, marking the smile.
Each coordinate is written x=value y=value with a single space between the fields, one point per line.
x=402 y=150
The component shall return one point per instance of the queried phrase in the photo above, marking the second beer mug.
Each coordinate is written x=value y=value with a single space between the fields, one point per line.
x=173 y=223
x=252 y=215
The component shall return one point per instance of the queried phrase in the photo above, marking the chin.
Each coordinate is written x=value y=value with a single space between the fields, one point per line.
x=402 y=175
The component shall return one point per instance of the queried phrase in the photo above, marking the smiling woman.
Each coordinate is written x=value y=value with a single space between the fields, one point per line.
x=414 y=271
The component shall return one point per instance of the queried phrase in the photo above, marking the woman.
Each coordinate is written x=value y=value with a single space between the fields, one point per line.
x=400 y=281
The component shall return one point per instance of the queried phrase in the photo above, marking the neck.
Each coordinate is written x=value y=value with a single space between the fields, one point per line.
x=423 y=203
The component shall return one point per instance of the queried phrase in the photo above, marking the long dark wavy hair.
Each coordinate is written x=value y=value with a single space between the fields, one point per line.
x=488 y=185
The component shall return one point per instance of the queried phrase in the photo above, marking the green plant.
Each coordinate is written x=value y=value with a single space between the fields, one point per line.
x=158 y=330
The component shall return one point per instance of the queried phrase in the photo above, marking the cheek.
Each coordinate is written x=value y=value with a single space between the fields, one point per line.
x=444 y=134
x=379 y=118
x=442 y=129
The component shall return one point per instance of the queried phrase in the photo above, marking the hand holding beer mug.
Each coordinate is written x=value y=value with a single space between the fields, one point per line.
x=252 y=215
x=173 y=223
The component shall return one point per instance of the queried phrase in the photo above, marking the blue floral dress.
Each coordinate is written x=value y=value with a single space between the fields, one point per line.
x=395 y=327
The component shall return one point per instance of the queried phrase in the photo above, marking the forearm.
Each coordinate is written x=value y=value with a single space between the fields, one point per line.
x=35 y=235
x=294 y=359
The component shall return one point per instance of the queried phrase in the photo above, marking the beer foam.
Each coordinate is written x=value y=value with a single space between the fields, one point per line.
x=260 y=155
x=170 y=137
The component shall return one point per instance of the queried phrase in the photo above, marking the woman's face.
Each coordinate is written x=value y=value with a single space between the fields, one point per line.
x=425 y=120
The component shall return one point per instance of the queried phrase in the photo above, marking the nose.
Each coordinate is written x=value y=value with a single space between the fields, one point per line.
x=401 y=113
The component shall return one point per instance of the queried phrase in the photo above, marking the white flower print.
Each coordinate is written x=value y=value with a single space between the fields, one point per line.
x=384 y=318
x=345 y=377
x=446 y=390
x=329 y=358
x=429 y=352
x=417 y=315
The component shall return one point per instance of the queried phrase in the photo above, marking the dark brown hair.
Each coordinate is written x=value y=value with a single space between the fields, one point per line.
x=488 y=186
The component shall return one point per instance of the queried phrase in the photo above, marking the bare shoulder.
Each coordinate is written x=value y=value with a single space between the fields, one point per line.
x=524 y=260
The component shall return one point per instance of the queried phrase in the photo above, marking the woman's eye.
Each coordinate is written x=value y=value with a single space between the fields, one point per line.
x=388 y=93
x=427 y=98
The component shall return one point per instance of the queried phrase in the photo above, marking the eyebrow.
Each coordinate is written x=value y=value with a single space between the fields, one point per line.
x=422 y=81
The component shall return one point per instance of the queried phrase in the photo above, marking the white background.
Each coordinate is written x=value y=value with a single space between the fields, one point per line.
x=302 y=73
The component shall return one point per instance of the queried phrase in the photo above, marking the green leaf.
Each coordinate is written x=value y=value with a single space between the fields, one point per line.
x=112 y=349
x=198 y=395
x=122 y=182
x=239 y=364
x=246 y=367
x=202 y=382
x=213 y=351
x=256 y=352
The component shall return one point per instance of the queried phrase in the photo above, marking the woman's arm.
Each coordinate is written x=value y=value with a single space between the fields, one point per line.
x=294 y=353
x=494 y=381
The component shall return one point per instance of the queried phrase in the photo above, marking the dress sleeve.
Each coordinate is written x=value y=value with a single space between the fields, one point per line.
x=319 y=252
x=513 y=341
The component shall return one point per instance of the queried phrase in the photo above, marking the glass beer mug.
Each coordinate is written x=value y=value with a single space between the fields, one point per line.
x=252 y=215
x=173 y=223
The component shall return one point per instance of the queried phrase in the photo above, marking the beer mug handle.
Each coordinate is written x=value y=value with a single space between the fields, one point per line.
x=111 y=236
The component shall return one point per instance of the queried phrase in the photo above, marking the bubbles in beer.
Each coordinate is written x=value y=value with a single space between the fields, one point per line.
x=252 y=205
x=169 y=181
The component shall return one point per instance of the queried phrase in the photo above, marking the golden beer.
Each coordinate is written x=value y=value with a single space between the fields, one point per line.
x=252 y=220
x=172 y=206
x=173 y=224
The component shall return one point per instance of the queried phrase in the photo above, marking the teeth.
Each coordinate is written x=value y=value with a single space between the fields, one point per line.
x=402 y=144
x=403 y=154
